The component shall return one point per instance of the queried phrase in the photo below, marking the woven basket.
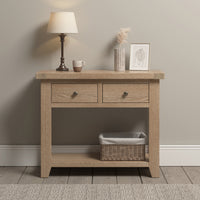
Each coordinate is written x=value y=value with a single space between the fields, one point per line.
x=122 y=152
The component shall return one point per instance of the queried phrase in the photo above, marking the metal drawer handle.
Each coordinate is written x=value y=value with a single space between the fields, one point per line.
x=125 y=94
x=75 y=93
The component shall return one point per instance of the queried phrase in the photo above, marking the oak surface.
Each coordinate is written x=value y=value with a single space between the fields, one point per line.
x=58 y=176
x=147 y=179
x=46 y=129
x=78 y=93
x=80 y=176
x=175 y=175
x=18 y=175
x=31 y=175
x=128 y=176
x=154 y=128
x=126 y=93
x=100 y=74
x=98 y=89
x=193 y=174
x=104 y=176
x=91 y=160
x=11 y=174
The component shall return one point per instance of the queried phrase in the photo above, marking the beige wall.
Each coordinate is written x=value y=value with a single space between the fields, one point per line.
x=171 y=26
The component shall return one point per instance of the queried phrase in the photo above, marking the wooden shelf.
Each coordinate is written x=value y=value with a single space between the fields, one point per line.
x=100 y=74
x=100 y=105
x=105 y=89
x=91 y=160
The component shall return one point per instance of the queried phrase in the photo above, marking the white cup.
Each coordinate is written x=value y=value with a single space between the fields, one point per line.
x=78 y=63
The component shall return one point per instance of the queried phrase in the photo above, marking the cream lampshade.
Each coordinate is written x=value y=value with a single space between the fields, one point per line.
x=62 y=23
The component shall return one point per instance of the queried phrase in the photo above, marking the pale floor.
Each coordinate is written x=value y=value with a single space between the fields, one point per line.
x=168 y=175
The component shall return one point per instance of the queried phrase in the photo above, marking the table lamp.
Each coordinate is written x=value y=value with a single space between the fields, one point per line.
x=62 y=23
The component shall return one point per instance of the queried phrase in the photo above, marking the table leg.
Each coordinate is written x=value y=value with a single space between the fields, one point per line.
x=154 y=128
x=46 y=132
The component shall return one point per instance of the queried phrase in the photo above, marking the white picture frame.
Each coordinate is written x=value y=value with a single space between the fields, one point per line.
x=139 y=56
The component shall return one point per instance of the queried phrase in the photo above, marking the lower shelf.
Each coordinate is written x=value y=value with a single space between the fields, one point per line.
x=91 y=160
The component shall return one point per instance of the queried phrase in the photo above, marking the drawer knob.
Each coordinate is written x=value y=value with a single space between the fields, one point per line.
x=75 y=93
x=125 y=94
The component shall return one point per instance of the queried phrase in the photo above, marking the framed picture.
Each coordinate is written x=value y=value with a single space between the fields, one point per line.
x=139 y=57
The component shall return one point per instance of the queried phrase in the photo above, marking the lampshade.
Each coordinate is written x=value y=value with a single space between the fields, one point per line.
x=62 y=22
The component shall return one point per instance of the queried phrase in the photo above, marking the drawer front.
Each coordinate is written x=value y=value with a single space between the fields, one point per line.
x=126 y=93
x=74 y=93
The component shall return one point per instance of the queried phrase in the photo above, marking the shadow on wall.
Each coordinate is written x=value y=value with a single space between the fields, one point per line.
x=127 y=61
x=22 y=119
x=110 y=47
x=20 y=116
x=108 y=53
x=82 y=126
x=44 y=44
x=79 y=126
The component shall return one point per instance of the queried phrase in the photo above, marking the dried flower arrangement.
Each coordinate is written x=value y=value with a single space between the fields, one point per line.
x=119 y=53
x=123 y=35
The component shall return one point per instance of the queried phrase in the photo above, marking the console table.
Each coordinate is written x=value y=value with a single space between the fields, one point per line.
x=98 y=89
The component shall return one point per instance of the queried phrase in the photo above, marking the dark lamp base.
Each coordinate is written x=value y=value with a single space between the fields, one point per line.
x=61 y=68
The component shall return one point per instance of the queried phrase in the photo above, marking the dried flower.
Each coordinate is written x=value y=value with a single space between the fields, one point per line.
x=123 y=35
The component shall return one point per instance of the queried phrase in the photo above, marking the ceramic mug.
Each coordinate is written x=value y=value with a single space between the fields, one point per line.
x=78 y=65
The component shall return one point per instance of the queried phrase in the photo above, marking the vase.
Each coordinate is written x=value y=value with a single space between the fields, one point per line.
x=119 y=59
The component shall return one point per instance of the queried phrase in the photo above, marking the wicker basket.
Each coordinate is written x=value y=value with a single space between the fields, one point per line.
x=122 y=152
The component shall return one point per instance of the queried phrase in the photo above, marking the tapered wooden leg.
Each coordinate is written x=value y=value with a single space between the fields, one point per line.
x=46 y=129
x=154 y=128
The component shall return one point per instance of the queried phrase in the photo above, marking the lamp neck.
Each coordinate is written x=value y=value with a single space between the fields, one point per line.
x=62 y=40
x=62 y=37
x=62 y=66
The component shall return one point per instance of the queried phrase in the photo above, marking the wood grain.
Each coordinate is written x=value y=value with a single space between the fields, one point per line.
x=11 y=175
x=46 y=129
x=114 y=93
x=98 y=89
x=100 y=74
x=154 y=128
x=128 y=176
x=31 y=176
x=91 y=160
x=58 y=176
x=147 y=179
x=104 y=176
x=100 y=105
x=66 y=93
x=193 y=173
x=100 y=93
x=175 y=175
x=80 y=176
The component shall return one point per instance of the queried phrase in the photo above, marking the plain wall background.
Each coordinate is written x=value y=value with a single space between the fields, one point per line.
x=171 y=26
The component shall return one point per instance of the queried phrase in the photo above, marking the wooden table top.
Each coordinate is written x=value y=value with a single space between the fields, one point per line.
x=99 y=74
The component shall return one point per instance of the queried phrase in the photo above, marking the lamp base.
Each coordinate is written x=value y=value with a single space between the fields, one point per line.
x=62 y=67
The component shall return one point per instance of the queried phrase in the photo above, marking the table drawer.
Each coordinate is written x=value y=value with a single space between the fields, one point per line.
x=128 y=93
x=74 y=93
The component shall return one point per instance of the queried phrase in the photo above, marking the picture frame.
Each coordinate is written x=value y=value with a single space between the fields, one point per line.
x=139 y=56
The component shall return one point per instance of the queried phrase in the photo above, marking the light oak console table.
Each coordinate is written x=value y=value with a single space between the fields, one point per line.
x=98 y=89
